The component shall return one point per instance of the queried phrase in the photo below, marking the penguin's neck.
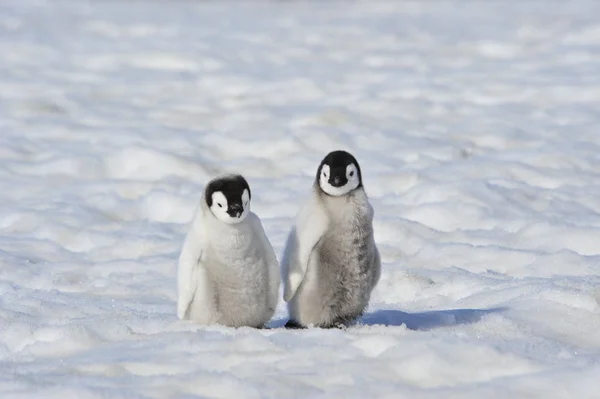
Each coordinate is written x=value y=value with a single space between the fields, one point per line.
x=227 y=235
x=345 y=208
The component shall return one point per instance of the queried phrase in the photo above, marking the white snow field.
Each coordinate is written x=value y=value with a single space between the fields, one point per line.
x=477 y=126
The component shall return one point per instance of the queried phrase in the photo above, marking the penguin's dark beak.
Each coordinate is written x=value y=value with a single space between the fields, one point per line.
x=336 y=182
x=235 y=210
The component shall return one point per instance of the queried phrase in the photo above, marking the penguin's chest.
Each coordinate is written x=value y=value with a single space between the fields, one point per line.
x=237 y=269
x=337 y=249
x=344 y=242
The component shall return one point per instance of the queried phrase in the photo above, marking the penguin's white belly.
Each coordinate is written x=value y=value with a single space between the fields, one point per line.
x=239 y=278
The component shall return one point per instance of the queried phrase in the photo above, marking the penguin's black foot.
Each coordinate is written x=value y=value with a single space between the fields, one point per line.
x=293 y=325
x=338 y=325
x=342 y=322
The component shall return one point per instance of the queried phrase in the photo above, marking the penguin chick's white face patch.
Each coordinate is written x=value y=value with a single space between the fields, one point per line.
x=232 y=210
x=339 y=181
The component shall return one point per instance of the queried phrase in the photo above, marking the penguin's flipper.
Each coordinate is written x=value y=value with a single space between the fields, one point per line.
x=311 y=224
x=189 y=263
x=272 y=262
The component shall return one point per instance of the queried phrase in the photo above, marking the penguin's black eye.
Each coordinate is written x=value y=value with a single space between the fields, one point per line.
x=351 y=173
x=220 y=206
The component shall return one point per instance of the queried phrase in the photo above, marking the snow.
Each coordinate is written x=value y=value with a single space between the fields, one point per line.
x=476 y=126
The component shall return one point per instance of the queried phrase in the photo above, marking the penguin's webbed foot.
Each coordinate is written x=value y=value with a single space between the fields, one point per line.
x=293 y=325
x=342 y=322
x=338 y=325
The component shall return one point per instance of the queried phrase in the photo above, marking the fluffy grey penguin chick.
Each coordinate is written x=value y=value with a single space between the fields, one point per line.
x=228 y=273
x=330 y=263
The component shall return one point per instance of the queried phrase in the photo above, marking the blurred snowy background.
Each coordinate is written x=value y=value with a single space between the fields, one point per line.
x=477 y=125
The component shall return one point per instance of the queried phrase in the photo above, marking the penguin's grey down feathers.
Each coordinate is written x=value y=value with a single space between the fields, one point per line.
x=342 y=267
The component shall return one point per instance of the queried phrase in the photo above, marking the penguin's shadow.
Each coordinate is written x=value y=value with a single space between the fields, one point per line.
x=426 y=320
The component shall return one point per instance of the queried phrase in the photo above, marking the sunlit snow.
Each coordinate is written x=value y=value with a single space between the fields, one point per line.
x=477 y=127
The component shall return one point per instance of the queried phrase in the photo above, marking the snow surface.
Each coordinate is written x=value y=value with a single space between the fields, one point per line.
x=477 y=125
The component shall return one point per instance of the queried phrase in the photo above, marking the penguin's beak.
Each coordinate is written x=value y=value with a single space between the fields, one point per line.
x=235 y=211
x=336 y=182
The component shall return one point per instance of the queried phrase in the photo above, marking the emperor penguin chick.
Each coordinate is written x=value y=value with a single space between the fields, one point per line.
x=228 y=273
x=330 y=263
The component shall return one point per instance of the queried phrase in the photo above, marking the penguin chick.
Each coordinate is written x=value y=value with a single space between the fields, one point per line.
x=228 y=273
x=330 y=263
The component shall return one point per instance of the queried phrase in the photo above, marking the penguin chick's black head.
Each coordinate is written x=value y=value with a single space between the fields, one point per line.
x=232 y=187
x=338 y=172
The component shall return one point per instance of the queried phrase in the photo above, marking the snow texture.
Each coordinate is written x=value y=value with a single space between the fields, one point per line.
x=477 y=128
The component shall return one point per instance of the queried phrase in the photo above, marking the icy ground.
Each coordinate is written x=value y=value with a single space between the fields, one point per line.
x=477 y=125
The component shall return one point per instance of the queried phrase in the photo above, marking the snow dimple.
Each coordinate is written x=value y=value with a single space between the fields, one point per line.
x=584 y=35
x=150 y=164
x=48 y=341
x=162 y=61
x=441 y=368
x=449 y=218
x=113 y=30
x=475 y=125
x=499 y=50
x=375 y=346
